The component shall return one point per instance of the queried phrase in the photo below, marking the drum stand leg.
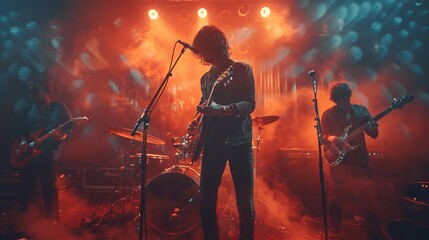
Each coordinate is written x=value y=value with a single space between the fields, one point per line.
x=120 y=215
x=259 y=203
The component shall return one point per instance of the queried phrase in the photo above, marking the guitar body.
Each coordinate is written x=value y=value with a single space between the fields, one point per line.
x=335 y=152
x=20 y=155
x=20 y=158
x=199 y=143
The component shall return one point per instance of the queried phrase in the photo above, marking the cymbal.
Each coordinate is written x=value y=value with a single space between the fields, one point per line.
x=264 y=120
x=125 y=133
x=152 y=156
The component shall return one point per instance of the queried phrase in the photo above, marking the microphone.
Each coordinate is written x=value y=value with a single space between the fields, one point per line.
x=311 y=73
x=187 y=45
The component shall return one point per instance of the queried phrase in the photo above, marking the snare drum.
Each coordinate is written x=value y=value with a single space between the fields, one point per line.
x=156 y=164
x=173 y=200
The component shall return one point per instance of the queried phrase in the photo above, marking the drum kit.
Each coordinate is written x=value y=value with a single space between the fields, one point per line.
x=172 y=193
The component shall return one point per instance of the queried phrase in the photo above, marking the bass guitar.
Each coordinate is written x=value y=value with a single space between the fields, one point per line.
x=336 y=152
x=21 y=156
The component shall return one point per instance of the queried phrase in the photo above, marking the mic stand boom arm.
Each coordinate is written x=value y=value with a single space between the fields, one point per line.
x=145 y=118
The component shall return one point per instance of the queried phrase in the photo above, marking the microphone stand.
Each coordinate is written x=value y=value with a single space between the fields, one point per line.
x=313 y=75
x=145 y=118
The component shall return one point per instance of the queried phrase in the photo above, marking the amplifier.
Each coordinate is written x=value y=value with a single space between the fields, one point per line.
x=418 y=191
x=416 y=211
x=298 y=170
x=107 y=178
x=296 y=153
x=9 y=184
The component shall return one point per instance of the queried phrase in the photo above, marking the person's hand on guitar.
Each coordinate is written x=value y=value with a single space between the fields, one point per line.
x=23 y=147
x=213 y=110
x=333 y=139
x=192 y=126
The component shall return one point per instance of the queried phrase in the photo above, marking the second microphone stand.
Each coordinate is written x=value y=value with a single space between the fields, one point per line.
x=313 y=75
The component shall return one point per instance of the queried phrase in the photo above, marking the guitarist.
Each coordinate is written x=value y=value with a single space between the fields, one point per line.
x=229 y=130
x=42 y=115
x=352 y=178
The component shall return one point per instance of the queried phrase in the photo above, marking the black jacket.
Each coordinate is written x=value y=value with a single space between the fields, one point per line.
x=238 y=91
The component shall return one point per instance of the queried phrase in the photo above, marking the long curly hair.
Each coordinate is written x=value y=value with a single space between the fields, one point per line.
x=211 y=38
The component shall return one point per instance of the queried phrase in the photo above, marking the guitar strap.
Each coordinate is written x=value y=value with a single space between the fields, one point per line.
x=351 y=115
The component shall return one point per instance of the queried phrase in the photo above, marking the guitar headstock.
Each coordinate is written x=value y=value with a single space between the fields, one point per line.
x=79 y=120
x=224 y=75
x=402 y=100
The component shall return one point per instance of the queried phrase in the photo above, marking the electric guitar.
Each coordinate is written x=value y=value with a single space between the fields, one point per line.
x=335 y=152
x=20 y=157
x=197 y=142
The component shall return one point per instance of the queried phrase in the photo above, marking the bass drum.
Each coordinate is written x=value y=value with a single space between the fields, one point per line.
x=173 y=201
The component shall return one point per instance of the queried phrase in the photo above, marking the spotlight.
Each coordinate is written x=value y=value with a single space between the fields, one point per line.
x=265 y=12
x=243 y=10
x=202 y=13
x=153 y=14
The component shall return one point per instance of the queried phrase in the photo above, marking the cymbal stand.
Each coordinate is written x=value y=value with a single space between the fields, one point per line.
x=258 y=219
x=120 y=214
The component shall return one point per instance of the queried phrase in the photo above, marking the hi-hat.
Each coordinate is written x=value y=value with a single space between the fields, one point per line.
x=125 y=133
x=264 y=120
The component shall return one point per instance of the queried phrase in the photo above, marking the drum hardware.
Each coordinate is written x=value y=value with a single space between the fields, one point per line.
x=118 y=210
x=125 y=133
x=261 y=121
x=156 y=164
x=183 y=149
x=173 y=197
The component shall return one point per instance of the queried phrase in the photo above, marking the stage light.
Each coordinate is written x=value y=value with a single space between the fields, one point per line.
x=265 y=12
x=153 y=14
x=202 y=13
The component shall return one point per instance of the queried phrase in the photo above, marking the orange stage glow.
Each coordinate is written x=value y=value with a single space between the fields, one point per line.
x=109 y=65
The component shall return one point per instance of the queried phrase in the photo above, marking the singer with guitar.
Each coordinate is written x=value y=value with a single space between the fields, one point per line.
x=352 y=181
x=40 y=117
x=223 y=127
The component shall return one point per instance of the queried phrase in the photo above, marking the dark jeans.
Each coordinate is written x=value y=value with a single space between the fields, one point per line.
x=45 y=171
x=353 y=186
x=240 y=160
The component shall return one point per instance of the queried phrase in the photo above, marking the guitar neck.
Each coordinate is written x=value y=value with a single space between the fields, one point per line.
x=41 y=139
x=358 y=131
